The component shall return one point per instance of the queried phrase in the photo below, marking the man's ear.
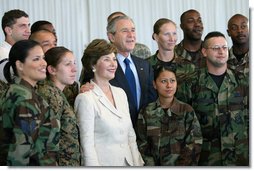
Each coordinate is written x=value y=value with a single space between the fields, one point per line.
x=181 y=26
x=51 y=70
x=8 y=30
x=203 y=50
x=111 y=37
x=228 y=33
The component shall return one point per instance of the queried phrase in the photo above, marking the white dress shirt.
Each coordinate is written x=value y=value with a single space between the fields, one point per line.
x=4 y=54
x=121 y=59
x=4 y=50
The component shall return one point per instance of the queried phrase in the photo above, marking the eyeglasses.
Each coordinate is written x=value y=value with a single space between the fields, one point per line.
x=217 y=48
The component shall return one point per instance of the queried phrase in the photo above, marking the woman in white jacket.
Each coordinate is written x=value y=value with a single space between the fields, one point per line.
x=106 y=132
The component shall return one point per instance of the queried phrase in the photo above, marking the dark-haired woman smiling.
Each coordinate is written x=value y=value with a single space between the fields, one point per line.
x=26 y=123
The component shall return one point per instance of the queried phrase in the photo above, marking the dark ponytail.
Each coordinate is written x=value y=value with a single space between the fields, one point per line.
x=19 y=52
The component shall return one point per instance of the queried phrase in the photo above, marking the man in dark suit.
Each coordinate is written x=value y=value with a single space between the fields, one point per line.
x=121 y=32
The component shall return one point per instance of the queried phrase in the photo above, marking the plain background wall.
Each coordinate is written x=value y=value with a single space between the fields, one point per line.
x=78 y=22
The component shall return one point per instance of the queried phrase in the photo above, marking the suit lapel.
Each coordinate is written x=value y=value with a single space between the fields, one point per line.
x=121 y=80
x=104 y=101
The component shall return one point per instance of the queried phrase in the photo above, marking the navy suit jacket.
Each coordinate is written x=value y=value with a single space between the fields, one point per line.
x=148 y=93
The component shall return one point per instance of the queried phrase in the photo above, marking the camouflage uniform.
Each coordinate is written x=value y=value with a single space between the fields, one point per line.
x=181 y=66
x=240 y=66
x=70 y=92
x=28 y=128
x=198 y=60
x=3 y=87
x=69 y=150
x=223 y=116
x=168 y=139
x=141 y=51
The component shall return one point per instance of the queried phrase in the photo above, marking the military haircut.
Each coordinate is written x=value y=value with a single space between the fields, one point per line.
x=38 y=25
x=211 y=35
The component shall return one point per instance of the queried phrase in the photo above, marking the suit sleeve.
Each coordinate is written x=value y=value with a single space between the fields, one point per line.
x=84 y=107
x=152 y=95
x=142 y=139
x=137 y=158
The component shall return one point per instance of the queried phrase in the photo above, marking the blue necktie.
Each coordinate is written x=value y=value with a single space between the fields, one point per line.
x=131 y=80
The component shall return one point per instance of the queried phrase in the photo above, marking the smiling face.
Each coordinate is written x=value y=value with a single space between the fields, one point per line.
x=124 y=37
x=192 y=25
x=46 y=39
x=105 y=67
x=34 y=67
x=216 y=52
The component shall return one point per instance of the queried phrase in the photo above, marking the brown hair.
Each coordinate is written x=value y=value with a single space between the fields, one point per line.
x=93 y=52
x=157 y=25
x=115 y=14
x=54 y=55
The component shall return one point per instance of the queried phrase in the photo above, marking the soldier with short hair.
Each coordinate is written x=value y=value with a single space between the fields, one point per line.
x=238 y=30
x=191 y=45
x=219 y=97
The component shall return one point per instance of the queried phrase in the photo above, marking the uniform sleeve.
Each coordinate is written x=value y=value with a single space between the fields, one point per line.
x=52 y=117
x=190 y=152
x=69 y=154
x=184 y=90
x=142 y=139
x=49 y=136
x=71 y=92
x=84 y=108
x=22 y=126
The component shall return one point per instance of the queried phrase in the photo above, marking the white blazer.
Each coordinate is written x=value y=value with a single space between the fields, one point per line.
x=106 y=132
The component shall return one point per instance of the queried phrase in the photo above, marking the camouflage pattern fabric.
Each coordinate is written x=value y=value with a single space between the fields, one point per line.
x=69 y=149
x=181 y=66
x=71 y=92
x=197 y=59
x=3 y=87
x=141 y=51
x=240 y=66
x=169 y=138
x=28 y=128
x=223 y=115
